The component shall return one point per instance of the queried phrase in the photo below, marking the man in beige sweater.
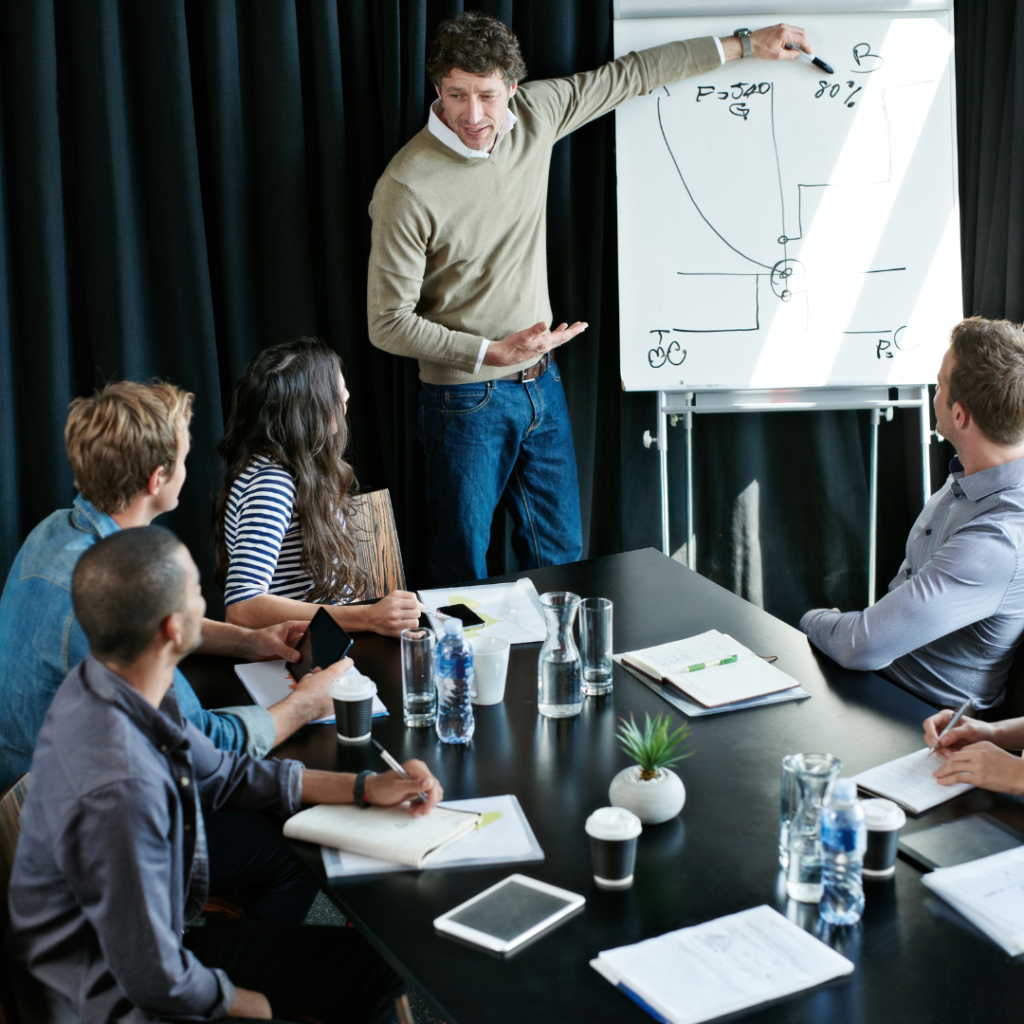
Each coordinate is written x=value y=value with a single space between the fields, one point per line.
x=458 y=275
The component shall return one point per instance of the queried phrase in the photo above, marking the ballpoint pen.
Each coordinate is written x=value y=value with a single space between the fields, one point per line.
x=951 y=724
x=397 y=768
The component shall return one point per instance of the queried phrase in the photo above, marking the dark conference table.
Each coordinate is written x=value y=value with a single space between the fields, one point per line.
x=916 y=958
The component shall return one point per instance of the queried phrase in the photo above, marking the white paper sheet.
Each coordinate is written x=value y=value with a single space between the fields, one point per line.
x=723 y=966
x=990 y=893
x=268 y=683
x=507 y=839
x=511 y=611
x=908 y=780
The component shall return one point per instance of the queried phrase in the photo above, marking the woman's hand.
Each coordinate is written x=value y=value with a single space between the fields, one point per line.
x=983 y=765
x=970 y=730
x=390 y=615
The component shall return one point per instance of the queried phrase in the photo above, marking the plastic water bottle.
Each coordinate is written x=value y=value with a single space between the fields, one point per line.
x=844 y=837
x=453 y=665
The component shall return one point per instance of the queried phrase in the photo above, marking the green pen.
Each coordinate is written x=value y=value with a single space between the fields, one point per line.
x=710 y=664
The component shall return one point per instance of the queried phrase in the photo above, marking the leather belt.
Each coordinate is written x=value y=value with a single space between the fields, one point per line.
x=531 y=372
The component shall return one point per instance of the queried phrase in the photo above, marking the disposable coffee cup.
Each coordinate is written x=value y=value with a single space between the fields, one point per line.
x=884 y=821
x=353 y=695
x=613 y=832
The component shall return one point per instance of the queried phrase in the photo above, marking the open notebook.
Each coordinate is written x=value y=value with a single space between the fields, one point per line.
x=908 y=780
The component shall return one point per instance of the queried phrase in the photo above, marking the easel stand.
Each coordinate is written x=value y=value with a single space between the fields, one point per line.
x=676 y=406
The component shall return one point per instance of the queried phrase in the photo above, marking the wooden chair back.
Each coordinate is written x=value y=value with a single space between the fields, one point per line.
x=378 y=551
x=10 y=812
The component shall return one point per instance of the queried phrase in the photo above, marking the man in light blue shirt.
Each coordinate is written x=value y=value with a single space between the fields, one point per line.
x=948 y=628
x=127 y=446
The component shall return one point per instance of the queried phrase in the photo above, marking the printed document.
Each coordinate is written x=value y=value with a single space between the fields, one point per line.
x=511 y=611
x=908 y=780
x=723 y=966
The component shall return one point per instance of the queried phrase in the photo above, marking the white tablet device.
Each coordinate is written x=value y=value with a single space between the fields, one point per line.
x=510 y=913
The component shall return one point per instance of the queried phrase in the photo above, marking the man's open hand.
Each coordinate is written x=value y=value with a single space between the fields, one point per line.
x=529 y=345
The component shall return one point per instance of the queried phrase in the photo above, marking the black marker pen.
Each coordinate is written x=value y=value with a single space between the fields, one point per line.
x=816 y=61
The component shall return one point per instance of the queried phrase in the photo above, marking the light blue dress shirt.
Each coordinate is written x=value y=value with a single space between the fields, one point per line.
x=948 y=628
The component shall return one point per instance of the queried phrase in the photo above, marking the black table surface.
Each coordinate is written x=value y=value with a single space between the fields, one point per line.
x=916 y=958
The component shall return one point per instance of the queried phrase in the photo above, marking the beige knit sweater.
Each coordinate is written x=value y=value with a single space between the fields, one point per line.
x=458 y=244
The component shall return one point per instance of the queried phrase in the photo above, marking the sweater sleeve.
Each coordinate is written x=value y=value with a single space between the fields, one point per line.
x=398 y=259
x=569 y=103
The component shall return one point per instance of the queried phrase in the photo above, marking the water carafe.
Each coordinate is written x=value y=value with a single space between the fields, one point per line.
x=559 y=675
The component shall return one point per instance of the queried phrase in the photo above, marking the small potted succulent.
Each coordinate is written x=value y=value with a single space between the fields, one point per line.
x=650 y=789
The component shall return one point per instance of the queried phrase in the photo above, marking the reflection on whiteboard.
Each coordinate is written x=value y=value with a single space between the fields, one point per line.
x=780 y=227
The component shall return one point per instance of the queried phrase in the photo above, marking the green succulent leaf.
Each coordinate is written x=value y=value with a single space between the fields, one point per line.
x=656 y=747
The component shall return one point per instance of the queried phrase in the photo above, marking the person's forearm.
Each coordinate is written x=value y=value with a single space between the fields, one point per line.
x=291 y=714
x=731 y=47
x=268 y=610
x=327 y=787
x=226 y=638
x=1009 y=734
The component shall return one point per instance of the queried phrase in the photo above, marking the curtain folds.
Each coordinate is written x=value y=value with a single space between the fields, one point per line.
x=184 y=182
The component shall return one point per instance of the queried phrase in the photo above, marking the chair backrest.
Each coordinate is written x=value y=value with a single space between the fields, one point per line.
x=378 y=551
x=10 y=811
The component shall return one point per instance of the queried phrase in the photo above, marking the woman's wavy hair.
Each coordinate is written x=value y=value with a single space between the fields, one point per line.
x=287 y=406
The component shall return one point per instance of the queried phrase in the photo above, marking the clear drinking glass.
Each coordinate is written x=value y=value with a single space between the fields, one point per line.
x=419 y=693
x=815 y=774
x=559 y=690
x=596 y=645
x=787 y=805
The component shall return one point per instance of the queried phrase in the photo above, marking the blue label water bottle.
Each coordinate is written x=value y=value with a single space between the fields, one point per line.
x=453 y=666
x=844 y=838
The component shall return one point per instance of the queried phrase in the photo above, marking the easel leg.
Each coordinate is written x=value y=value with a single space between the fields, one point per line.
x=876 y=416
x=926 y=440
x=691 y=540
x=663 y=460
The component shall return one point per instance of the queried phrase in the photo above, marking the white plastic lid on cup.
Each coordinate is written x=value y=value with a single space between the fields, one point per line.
x=613 y=823
x=352 y=685
x=883 y=815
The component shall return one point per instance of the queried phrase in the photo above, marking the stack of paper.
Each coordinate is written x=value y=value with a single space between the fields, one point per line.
x=909 y=781
x=989 y=893
x=711 y=672
x=724 y=966
x=511 y=611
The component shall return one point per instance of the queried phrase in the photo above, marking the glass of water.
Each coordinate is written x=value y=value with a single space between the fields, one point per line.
x=559 y=674
x=596 y=645
x=787 y=805
x=419 y=693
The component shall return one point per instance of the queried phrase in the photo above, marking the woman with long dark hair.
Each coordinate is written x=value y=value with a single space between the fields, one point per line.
x=279 y=518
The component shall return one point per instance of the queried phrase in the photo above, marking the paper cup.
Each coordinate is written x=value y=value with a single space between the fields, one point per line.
x=353 y=695
x=490 y=666
x=613 y=832
x=884 y=820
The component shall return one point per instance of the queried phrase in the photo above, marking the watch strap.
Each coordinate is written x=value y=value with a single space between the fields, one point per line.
x=359 y=790
x=743 y=34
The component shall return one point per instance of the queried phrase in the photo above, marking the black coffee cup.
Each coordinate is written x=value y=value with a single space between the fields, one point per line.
x=613 y=832
x=884 y=821
x=353 y=696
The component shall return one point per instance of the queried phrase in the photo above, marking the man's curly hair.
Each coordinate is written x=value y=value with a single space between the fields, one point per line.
x=477 y=44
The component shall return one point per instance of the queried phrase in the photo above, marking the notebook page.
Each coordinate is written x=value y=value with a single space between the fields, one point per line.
x=679 y=654
x=708 y=970
x=908 y=780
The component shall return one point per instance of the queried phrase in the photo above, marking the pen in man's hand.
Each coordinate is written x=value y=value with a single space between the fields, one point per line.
x=951 y=724
x=397 y=768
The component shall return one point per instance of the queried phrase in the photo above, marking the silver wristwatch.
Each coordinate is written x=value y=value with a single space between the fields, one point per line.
x=743 y=34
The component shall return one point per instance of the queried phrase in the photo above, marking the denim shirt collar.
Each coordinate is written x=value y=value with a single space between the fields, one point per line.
x=85 y=516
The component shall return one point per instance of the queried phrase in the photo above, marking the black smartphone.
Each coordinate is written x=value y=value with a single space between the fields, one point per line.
x=461 y=611
x=324 y=643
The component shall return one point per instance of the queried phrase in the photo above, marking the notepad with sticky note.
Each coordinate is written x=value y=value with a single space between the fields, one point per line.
x=711 y=668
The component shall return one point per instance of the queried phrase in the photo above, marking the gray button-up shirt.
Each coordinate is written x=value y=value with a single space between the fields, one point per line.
x=111 y=863
x=951 y=621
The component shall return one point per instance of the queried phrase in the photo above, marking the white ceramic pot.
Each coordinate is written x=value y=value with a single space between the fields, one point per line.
x=651 y=800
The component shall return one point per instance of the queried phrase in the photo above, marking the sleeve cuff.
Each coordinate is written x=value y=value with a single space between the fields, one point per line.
x=483 y=351
x=720 y=48
x=228 y=994
x=259 y=726
x=291 y=787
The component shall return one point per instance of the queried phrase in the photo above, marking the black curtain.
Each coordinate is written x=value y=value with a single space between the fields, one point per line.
x=184 y=182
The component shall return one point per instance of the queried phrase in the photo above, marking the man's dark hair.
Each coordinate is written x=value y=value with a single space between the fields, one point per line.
x=477 y=44
x=988 y=377
x=124 y=586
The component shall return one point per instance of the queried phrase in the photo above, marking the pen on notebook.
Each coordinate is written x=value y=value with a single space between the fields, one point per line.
x=709 y=664
x=952 y=723
x=816 y=61
x=395 y=766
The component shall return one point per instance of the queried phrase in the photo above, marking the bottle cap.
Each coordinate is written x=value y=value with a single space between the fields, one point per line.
x=353 y=685
x=845 y=790
x=883 y=815
x=613 y=823
x=453 y=627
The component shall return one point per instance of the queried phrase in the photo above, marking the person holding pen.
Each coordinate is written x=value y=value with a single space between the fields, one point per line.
x=978 y=752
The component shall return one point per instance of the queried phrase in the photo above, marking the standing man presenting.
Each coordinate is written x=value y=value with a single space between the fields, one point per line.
x=458 y=279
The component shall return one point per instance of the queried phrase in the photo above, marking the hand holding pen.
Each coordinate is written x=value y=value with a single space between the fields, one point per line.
x=940 y=727
x=415 y=772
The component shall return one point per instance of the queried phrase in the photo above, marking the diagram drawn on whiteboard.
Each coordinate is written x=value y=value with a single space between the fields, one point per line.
x=783 y=228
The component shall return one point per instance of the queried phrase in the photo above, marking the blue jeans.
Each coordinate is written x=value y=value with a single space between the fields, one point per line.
x=499 y=442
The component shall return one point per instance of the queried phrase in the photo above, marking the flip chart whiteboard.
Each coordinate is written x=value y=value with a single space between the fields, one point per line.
x=780 y=227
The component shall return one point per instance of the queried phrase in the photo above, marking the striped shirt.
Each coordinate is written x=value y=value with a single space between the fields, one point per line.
x=264 y=536
x=948 y=628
